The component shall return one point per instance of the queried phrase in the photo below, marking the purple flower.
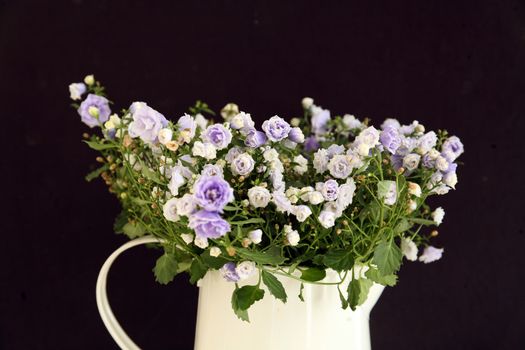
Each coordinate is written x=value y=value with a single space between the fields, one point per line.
x=276 y=128
x=320 y=119
x=208 y=224
x=397 y=161
x=229 y=272
x=188 y=123
x=296 y=135
x=255 y=138
x=453 y=147
x=212 y=170
x=311 y=144
x=146 y=123
x=212 y=193
x=428 y=161
x=217 y=135
x=329 y=189
x=94 y=110
x=390 y=138
x=427 y=142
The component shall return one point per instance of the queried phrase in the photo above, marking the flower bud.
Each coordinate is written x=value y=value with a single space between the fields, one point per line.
x=89 y=79
x=307 y=102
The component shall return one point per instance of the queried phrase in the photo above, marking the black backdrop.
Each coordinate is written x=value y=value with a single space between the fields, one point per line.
x=455 y=65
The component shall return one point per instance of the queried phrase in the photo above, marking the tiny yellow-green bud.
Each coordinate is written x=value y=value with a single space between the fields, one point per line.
x=89 y=79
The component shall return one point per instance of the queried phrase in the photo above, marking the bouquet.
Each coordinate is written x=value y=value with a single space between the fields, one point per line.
x=289 y=199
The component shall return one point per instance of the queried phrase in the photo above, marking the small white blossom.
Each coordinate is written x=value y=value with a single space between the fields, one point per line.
x=304 y=193
x=215 y=251
x=295 y=122
x=282 y=202
x=201 y=121
x=201 y=242
x=339 y=166
x=345 y=195
x=113 y=122
x=411 y=161
x=414 y=189
x=205 y=150
x=187 y=237
x=409 y=249
x=259 y=196
x=438 y=215
x=327 y=218
x=301 y=166
x=292 y=236
x=307 y=102
x=245 y=269
x=76 y=90
x=412 y=205
x=315 y=197
x=255 y=236
x=450 y=179
x=442 y=163
x=321 y=161
x=351 y=122
x=176 y=181
x=170 y=210
x=271 y=155
x=243 y=164
x=302 y=212
x=186 y=205
x=89 y=79
x=165 y=135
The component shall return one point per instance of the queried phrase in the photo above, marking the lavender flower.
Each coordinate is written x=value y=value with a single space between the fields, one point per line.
x=276 y=128
x=243 y=164
x=255 y=138
x=453 y=146
x=94 y=110
x=296 y=135
x=311 y=144
x=431 y=254
x=212 y=193
x=207 y=224
x=146 y=123
x=212 y=170
x=427 y=142
x=76 y=90
x=217 y=135
x=328 y=189
x=229 y=272
x=340 y=167
x=320 y=119
x=390 y=139
x=187 y=124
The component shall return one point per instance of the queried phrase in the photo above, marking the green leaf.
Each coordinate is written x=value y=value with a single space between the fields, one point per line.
x=272 y=256
x=100 y=146
x=387 y=257
x=242 y=314
x=150 y=174
x=377 y=277
x=274 y=286
x=358 y=292
x=313 y=274
x=402 y=226
x=301 y=297
x=213 y=262
x=344 y=302
x=165 y=269
x=133 y=230
x=383 y=188
x=197 y=270
x=339 y=259
x=120 y=221
x=246 y=296
x=96 y=173
x=248 y=221
x=422 y=221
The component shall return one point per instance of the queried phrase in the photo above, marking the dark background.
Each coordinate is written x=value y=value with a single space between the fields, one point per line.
x=457 y=65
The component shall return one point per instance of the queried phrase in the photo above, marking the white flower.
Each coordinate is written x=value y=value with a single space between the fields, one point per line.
x=292 y=236
x=301 y=166
x=438 y=215
x=271 y=155
x=255 y=236
x=414 y=189
x=170 y=210
x=321 y=161
x=176 y=181
x=295 y=122
x=293 y=194
x=442 y=163
x=113 y=122
x=387 y=190
x=243 y=164
x=345 y=194
x=411 y=161
x=186 y=205
x=409 y=249
x=433 y=154
x=205 y=150
x=201 y=121
x=315 y=197
x=276 y=177
x=215 y=251
x=228 y=111
x=351 y=122
x=245 y=269
x=431 y=254
x=282 y=202
x=304 y=193
x=212 y=170
x=368 y=137
x=307 y=102
x=201 y=242
x=450 y=179
x=76 y=90
x=412 y=205
x=233 y=153
x=301 y=212
x=426 y=142
x=89 y=79
x=339 y=166
x=259 y=196
x=187 y=237
x=165 y=135
x=327 y=218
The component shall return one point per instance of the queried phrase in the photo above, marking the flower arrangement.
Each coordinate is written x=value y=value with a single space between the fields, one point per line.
x=290 y=199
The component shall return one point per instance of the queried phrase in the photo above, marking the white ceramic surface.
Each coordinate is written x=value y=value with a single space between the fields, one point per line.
x=318 y=323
